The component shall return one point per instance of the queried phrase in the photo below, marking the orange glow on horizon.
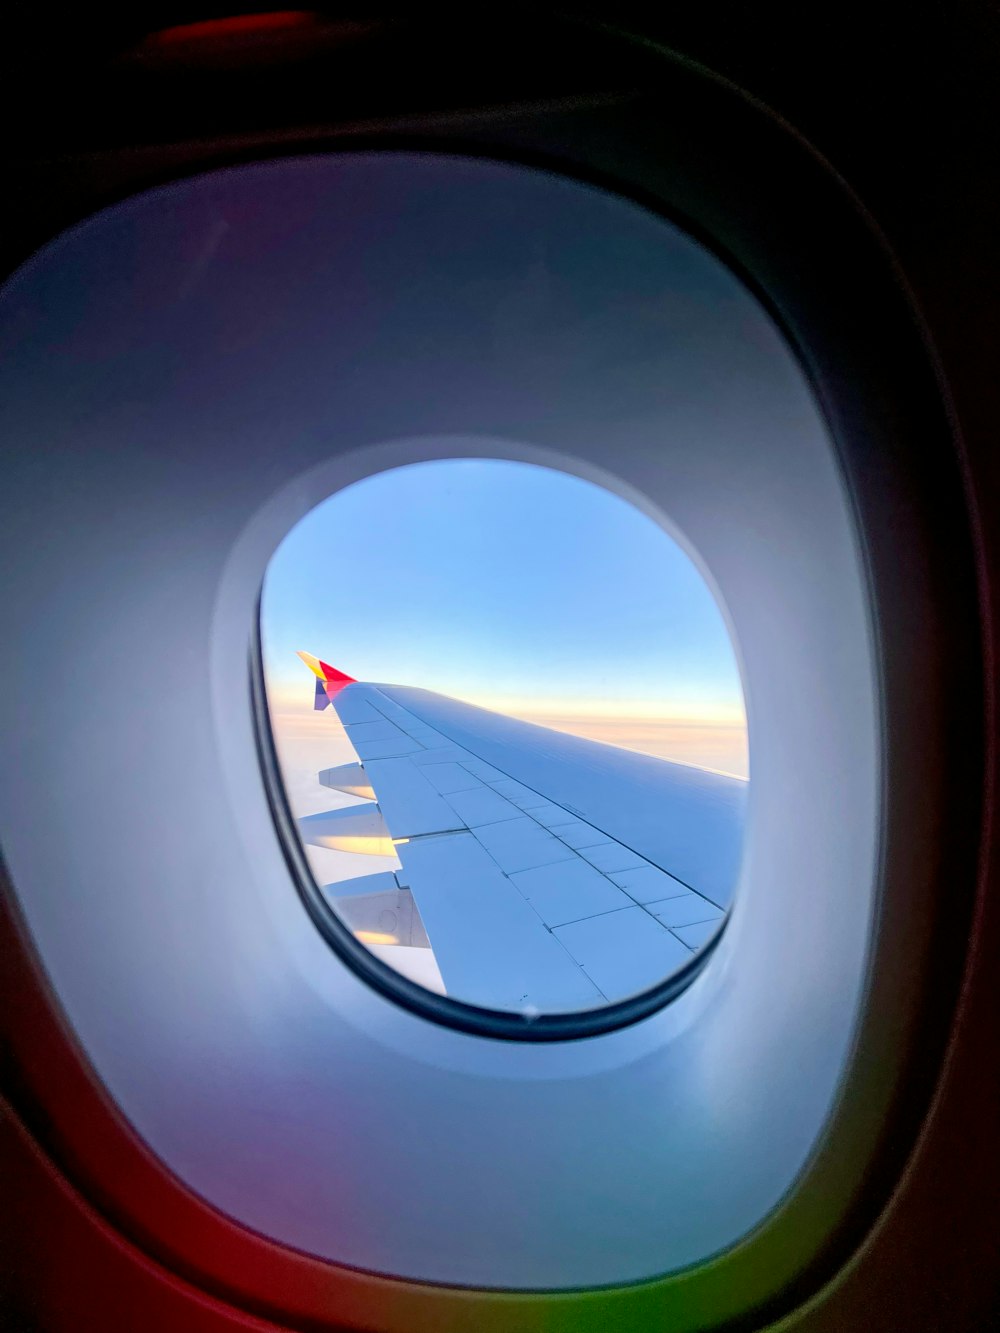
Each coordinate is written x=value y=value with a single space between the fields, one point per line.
x=291 y=698
x=709 y=738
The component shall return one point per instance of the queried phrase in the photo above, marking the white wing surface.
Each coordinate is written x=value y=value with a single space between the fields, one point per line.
x=549 y=871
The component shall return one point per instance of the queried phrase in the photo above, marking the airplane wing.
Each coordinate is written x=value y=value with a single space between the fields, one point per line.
x=549 y=871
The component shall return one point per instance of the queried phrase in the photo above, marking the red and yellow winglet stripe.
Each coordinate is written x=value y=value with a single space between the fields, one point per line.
x=329 y=680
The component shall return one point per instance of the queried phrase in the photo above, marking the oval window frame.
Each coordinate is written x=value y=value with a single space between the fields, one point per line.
x=449 y=1011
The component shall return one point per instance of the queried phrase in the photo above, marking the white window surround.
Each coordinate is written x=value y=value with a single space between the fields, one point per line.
x=263 y=1071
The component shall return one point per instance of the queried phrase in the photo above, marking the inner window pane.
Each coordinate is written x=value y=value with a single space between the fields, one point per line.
x=510 y=724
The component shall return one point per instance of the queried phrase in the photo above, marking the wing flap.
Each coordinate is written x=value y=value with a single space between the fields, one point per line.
x=410 y=804
x=624 y=952
x=489 y=944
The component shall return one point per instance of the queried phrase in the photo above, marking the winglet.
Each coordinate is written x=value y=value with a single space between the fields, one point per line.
x=329 y=681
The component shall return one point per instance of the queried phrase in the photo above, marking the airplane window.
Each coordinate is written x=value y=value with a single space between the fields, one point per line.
x=509 y=721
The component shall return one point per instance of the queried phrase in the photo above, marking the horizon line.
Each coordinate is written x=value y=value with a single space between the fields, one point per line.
x=519 y=705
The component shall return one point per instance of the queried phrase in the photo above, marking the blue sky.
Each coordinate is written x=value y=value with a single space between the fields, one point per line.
x=505 y=584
